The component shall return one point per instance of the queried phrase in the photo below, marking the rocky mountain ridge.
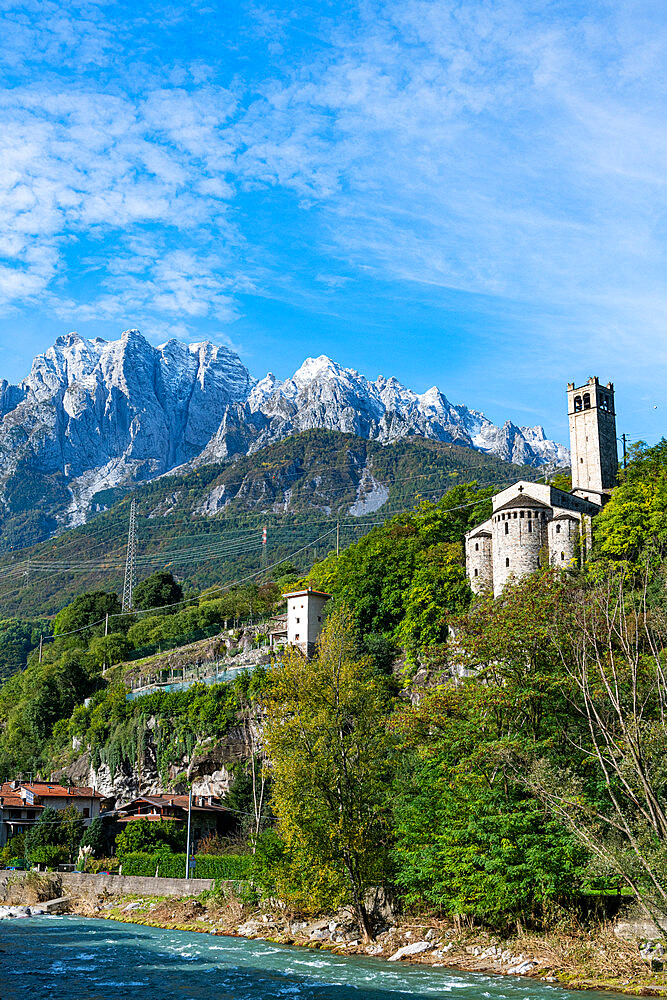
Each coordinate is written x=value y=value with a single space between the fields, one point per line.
x=93 y=415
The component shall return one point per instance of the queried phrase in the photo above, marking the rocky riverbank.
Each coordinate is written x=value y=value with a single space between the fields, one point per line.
x=572 y=956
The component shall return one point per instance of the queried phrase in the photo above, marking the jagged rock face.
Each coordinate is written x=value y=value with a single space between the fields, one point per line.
x=322 y=394
x=208 y=770
x=94 y=414
x=101 y=413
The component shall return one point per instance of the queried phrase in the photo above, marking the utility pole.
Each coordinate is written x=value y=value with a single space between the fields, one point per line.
x=187 y=846
x=106 y=624
x=624 y=439
x=337 y=539
x=41 y=641
x=128 y=585
x=264 y=534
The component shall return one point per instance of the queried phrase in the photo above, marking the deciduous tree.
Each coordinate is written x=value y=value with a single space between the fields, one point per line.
x=326 y=738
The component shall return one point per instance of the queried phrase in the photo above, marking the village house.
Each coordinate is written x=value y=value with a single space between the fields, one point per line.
x=208 y=817
x=22 y=802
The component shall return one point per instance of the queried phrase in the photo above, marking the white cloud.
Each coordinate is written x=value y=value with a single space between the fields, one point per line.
x=511 y=150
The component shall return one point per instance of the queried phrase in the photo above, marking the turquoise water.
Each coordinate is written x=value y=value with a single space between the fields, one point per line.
x=73 y=958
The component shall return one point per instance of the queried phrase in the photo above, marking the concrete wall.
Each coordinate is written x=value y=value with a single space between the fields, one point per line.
x=91 y=886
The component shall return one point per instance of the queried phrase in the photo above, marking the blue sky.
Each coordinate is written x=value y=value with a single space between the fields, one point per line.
x=466 y=194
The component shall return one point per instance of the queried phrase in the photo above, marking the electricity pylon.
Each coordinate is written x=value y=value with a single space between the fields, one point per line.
x=128 y=585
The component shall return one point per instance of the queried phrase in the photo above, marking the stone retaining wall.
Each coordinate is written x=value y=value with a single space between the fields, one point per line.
x=92 y=886
x=78 y=884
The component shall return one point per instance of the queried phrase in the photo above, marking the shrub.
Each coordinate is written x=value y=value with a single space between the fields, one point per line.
x=49 y=855
x=227 y=866
x=142 y=836
x=97 y=865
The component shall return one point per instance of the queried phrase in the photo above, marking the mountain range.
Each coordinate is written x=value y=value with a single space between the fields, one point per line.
x=95 y=415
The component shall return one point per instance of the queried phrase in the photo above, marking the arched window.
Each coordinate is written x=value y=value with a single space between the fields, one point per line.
x=562 y=557
x=558 y=529
x=587 y=400
x=530 y=526
x=507 y=528
x=507 y=561
x=577 y=404
x=476 y=572
x=476 y=546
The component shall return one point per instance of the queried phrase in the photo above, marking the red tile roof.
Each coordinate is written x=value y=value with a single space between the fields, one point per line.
x=14 y=801
x=151 y=817
x=46 y=789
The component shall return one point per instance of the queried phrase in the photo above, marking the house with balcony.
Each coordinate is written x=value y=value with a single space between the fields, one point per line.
x=208 y=817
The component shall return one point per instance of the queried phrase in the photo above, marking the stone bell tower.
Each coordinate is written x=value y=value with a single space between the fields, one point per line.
x=592 y=419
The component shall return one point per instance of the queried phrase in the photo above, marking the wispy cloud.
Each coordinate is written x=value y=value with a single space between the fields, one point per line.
x=509 y=150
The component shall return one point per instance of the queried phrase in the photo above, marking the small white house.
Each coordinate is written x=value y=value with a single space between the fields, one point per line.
x=305 y=617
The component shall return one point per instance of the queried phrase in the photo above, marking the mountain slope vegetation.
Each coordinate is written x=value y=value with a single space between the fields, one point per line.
x=205 y=525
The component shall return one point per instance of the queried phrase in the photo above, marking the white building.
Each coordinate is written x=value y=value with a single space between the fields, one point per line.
x=303 y=624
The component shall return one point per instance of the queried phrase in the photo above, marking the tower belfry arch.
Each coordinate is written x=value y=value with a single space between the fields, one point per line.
x=592 y=419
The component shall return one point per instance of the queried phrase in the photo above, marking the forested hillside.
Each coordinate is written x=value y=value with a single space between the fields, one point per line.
x=206 y=526
x=501 y=758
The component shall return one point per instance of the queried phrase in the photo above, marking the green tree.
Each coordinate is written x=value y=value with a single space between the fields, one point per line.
x=105 y=650
x=470 y=839
x=17 y=639
x=376 y=575
x=88 y=612
x=150 y=837
x=438 y=588
x=71 y=830
x=635 y=518
x=326 y=737
x=46 y=832
x=159 y=590
x=97 y=837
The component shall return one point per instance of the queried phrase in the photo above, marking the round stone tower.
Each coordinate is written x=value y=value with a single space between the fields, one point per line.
x=519 y=535
x=479 y=559
x=564 y=539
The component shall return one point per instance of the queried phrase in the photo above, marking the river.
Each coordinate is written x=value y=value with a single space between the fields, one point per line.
x=71 y=958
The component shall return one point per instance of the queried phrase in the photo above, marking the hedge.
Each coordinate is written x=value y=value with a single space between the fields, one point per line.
x=232 y=866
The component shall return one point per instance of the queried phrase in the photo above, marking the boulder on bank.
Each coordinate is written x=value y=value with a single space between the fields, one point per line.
x=415 y=948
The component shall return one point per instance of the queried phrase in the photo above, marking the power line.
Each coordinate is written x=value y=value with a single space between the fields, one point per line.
x=387 y=481
x=212 y=547
x=189 y=600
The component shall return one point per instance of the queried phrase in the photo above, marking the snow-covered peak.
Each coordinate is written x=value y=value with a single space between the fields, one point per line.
x=262 y=391
x=313 y=368
x=95 y=413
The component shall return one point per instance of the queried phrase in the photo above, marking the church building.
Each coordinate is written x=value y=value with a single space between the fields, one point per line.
x=534 y=523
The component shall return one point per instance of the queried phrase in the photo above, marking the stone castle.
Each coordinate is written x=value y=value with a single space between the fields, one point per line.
x=534 y=523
